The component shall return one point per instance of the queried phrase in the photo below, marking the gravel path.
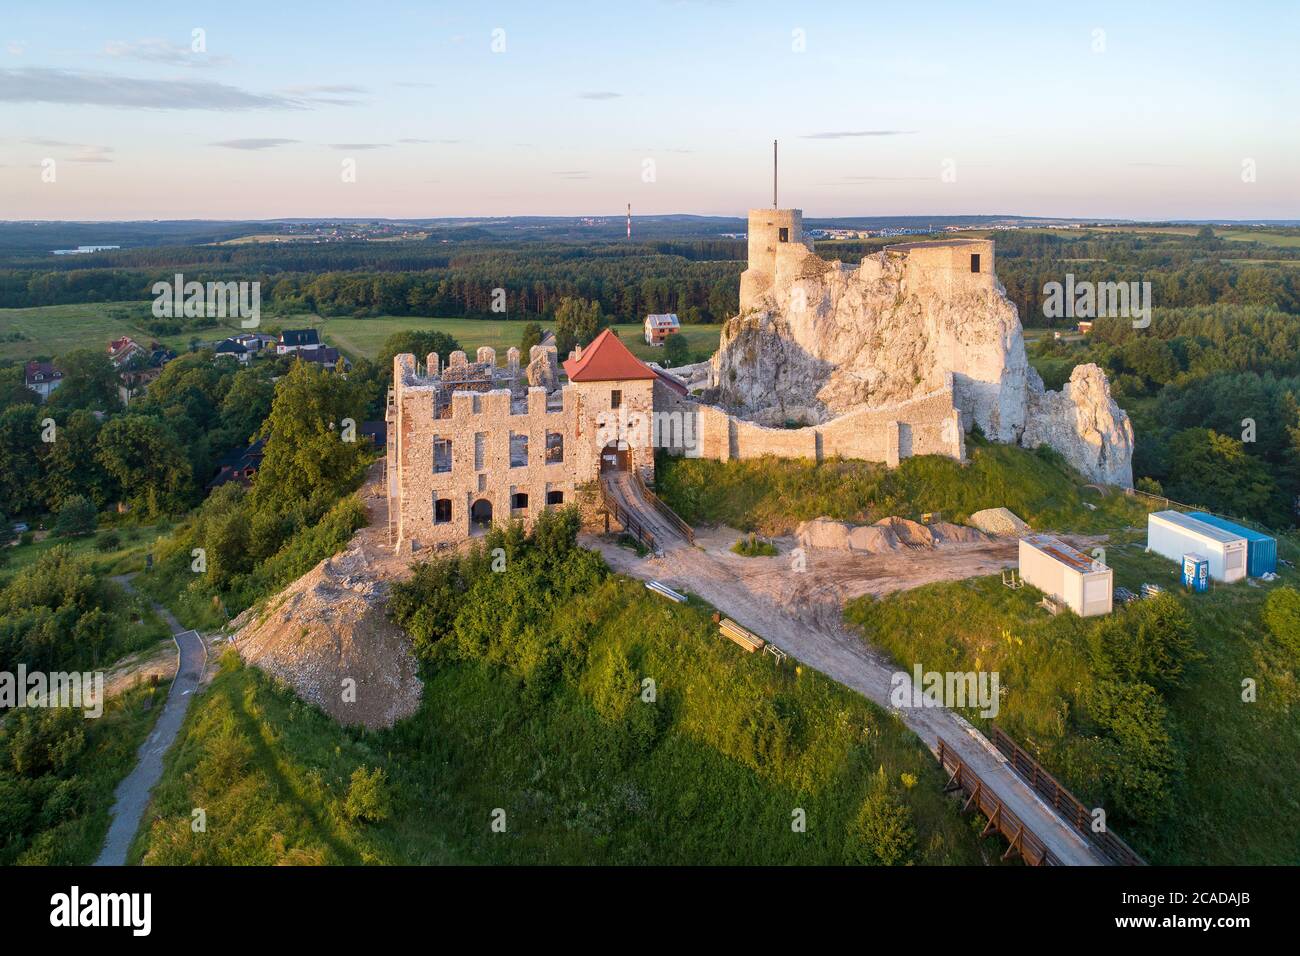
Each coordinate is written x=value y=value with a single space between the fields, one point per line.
x=132 y=795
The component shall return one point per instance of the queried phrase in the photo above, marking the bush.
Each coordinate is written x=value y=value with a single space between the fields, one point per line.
x=882 y=834
x=752 y=546
x=77 y=517
x=108 y=541
x=367 y=798
x=1150 y=641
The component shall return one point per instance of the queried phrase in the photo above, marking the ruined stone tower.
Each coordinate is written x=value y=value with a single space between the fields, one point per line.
x=776 y=250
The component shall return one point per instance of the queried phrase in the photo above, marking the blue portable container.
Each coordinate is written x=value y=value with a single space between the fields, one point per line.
x=1196 y=572
x=1261 y=550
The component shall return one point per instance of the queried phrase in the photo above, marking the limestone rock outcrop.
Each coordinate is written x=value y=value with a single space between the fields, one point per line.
x=816 y=339
x=1084 y=424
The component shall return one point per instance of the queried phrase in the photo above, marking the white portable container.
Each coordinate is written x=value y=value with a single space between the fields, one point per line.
x=1173 y=534
x=1085 y=586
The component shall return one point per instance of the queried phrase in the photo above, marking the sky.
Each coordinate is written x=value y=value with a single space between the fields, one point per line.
x=243 y=110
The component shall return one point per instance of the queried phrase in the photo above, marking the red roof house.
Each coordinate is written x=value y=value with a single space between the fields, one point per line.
x=607 y=359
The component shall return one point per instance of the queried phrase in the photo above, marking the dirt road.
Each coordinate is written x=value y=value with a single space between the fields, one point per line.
x=802 y=613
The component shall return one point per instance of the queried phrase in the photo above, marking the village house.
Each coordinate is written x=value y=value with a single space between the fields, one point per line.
x=42 y=378
x=659 y=327
x=122 y=351
x=297 y=340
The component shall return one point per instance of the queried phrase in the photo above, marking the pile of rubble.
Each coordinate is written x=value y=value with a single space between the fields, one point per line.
x=887 y=534
x=327 y=637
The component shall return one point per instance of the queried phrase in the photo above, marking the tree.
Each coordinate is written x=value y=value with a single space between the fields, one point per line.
x=676 y=351
x=1216 y=471
x=576 y=323
x=20 y=439
x=77 y=517
x=1151 y=641
x=307 y=460
x=70 y=466
x=532 y=336
x=1144 y=760
x=144 y=457
x=89 y=381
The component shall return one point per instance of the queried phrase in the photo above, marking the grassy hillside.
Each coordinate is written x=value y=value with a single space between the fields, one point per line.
x=772 y=495
x=560 y=738
x=1232 y=798
x=58 y=772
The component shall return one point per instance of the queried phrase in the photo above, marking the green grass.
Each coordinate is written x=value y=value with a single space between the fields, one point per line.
x=752 y=546
x=735 y=743
x=362 y=338
x=76 y=832
x=772 y=495
x=1236 y=801
x=128 y=556
x=57 y=329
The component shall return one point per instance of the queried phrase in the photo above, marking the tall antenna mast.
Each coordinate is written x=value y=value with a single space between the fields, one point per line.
x=629 y=220
x=774 y=174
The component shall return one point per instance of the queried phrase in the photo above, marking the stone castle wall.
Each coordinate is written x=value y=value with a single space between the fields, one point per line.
x=927 y=425
x=482 y=427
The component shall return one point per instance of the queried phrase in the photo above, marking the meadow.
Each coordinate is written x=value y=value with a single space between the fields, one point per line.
x=56 y=329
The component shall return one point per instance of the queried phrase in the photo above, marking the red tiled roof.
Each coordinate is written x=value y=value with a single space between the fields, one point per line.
x=606 y=359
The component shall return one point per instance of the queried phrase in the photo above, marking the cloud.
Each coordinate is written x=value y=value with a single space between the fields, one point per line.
x=327 y=94
x=425 y=142
x=154 y=50
x=86 y=88
x=1159 y=165
x=599 y=95
x=254 y=143
x=85 y=152
x=851 y=134
x=356 y=146
x=15 y=47
x=416 y=84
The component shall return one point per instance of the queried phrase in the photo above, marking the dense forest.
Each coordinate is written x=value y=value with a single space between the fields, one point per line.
x=695 y=277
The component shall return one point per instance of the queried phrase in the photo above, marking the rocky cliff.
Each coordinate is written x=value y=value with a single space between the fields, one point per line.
x=831 y=338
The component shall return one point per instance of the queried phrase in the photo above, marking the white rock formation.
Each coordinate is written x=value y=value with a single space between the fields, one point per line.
x=1084 y=424
x=821 y=338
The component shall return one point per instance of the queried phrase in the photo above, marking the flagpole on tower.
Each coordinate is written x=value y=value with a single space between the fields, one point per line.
x=774 y=174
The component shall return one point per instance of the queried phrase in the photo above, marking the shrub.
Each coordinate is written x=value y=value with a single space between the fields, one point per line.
x=108 y=541
x=368 y=798
x=882 y=834
x=1151 y=642
x=752 y=546
x=77 y=517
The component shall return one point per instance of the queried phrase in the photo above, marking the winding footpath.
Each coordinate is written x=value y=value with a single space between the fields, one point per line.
x=131 y=798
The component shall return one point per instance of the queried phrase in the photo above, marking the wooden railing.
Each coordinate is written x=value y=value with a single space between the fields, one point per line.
x=626 y=518
x=1062 y=800
x=1000 y=819
x=682 y=528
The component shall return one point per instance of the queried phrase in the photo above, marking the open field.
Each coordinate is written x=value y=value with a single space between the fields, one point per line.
x=362 y=338
x=57 y=329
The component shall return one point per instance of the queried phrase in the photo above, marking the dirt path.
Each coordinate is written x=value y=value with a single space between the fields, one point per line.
x=131 y=798
x=802 y=613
